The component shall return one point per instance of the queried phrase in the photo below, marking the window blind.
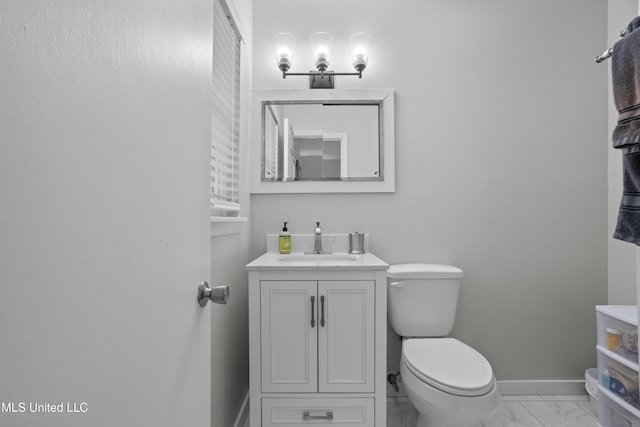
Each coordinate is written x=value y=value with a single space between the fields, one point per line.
x=225 y=127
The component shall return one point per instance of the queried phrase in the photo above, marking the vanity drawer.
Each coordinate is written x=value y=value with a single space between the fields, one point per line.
x=348 y=412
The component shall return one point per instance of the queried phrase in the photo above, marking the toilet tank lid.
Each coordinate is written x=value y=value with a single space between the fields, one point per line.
x=424 y=271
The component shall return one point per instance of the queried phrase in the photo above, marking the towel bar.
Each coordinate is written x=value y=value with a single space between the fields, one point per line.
x=604 y=56
x=607 y=53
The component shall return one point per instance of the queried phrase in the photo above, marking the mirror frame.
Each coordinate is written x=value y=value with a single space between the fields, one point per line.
x=352 y=96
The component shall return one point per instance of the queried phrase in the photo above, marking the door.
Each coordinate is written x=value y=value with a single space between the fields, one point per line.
x=104 y=233
x=289 y=325
x=346 y=338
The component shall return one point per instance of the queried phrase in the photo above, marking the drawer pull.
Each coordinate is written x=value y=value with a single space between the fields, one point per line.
x=313 y=312
x=307 y=417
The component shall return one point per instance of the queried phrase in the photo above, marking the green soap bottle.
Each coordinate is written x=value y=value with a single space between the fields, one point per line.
x=285 y=240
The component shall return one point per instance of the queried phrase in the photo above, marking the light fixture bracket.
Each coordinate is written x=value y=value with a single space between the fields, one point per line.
x=322 y=80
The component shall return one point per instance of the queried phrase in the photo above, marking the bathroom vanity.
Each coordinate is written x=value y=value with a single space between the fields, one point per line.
x=317 y=338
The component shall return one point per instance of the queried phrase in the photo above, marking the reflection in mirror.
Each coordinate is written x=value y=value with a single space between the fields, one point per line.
x=322 y=141
x=318 y=141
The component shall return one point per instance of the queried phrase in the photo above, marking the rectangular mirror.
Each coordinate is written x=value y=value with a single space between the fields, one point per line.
x=322 y=141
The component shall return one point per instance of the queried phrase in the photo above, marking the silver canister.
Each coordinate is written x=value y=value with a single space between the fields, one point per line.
x=356 y=243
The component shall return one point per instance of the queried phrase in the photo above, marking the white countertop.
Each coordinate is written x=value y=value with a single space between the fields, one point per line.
x=336 y=261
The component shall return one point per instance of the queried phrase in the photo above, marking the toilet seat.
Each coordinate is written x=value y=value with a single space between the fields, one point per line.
x=448 y=365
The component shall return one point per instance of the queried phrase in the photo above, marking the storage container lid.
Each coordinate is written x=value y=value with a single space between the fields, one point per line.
x=449 y=365
x=424 y=271
x=625 y=313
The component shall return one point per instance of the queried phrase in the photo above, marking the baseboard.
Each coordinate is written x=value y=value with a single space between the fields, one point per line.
x=242 y=419
x=520 y=388
x=541 y=387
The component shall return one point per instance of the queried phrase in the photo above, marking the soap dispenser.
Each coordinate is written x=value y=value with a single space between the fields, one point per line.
x=285 y=240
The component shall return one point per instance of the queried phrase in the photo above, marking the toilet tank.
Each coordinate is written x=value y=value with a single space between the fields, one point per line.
x=422 y=299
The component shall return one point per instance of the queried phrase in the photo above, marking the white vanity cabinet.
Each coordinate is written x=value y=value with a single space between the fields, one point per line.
x=317 y=337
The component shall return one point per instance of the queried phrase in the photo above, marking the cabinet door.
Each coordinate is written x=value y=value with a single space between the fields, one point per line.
x=289 y=339
x=346 y=338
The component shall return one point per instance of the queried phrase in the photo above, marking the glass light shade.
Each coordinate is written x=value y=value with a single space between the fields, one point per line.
x=284 y=44
x=360 y=44
x=321 y=47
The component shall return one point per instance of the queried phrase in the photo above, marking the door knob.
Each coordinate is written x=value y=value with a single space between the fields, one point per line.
x=218 y=294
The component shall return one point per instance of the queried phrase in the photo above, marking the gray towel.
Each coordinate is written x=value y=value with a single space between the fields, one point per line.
x=633 y=24
x=625 y=72
x=628 y=226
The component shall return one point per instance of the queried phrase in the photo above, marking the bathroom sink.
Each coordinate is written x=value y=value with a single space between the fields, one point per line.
x=300 y=261
x=318 y=258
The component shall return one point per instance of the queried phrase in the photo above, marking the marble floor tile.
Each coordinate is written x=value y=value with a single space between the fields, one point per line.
x=401 y=413
x=514 y=411
x=560 y=414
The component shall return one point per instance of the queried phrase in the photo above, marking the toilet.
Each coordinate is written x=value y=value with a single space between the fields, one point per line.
x=447 y=381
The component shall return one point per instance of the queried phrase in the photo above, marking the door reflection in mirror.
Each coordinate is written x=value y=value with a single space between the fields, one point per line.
x=321 y=141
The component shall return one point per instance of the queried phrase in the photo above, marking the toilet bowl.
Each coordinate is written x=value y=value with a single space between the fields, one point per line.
x=448 y=382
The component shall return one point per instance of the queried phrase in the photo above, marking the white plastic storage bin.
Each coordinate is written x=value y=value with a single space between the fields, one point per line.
x=619 y=376
x=618 y=330
x=612 y=414
x=617 y=351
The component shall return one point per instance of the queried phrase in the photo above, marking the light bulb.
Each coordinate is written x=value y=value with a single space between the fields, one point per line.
x=321 y=48
x=284 y=43
x=360 y=44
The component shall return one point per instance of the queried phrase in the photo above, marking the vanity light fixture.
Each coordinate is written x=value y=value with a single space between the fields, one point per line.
x=321 y=48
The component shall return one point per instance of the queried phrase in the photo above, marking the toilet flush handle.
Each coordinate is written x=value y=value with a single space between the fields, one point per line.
x=398 y=284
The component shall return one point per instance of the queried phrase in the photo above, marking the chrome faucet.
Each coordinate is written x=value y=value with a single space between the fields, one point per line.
x=317 y=246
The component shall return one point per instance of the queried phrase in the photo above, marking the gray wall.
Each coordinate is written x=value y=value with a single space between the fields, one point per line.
x=229 y=255
x=229 y=329
x=501 y=160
